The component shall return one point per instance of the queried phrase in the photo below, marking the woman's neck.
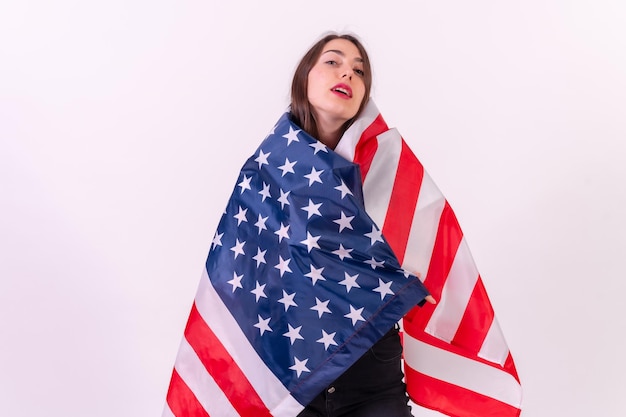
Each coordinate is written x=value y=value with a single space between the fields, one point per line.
x=329 y=138
x=329 y=132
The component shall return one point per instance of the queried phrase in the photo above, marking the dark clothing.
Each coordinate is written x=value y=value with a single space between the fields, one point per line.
x=372 y=387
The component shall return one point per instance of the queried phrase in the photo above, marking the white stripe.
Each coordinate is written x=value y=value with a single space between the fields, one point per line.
x=378 y=184
x=494 y=346
x=419 y=248
x=201 y=383
x=461 y=371
x=456 y=293
x=269 y=388
x=347 y=144
x=288 y=408
x=167 y=412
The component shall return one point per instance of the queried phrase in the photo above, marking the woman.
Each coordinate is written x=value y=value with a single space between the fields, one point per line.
x=299 y=282
x=330 y=87
x=280 y=333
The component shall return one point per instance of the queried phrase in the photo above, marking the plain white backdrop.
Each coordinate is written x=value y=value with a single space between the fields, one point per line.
x=123 y=125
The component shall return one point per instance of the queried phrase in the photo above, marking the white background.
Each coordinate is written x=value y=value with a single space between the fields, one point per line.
x=123 y=125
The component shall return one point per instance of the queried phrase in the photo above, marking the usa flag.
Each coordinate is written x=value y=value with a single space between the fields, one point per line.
x=299 y=282
x=457 y=360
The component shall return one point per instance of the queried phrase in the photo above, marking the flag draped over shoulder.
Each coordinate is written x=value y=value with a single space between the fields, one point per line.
x=299 y=283
x=456 y=358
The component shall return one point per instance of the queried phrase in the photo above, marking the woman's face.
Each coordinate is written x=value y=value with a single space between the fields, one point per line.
x=335 y=86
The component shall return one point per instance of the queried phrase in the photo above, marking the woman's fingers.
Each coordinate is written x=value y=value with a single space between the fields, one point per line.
x=430 y=299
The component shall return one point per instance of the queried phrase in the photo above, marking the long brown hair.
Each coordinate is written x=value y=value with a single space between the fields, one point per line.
x=301 y=109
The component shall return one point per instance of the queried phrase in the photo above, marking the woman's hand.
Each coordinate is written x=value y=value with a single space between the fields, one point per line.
x=428 y=298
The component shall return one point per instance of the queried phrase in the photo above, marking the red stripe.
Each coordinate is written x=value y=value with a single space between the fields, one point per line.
x=449 y=236
x=224 y=370
x=367 y=145
x=509 y=366
x=181 y=400
x=377 y=127
x=476 y=320
x=453 y=400
x=414 y=330
x=364 y=154
x=447 y=242
x=406 y=188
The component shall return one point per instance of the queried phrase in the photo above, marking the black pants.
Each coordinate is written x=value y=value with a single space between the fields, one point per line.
x=372 y=387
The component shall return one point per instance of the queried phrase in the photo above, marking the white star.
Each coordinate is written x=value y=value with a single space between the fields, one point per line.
x=342 y=252
x=260 y=223
x=374 y=263
x=355 y=315
x=265 y=192
x=293 y=334
x=287 y=167
x=217 y=239
x=344 y=189
x=318 y=146
x=282 y=232
x=291 y=136
x=375 y=235
x=287 y=300
x=344 y=222
x=299 y=366
x=383 y=288
x=236 y=281
x=283 y=198
x=241 y=216
x=259 y=257
x=312 y=209
x=262 y=158
x=316 y=274
x=263 y=324
x=321 y=307
x=283 y=265
x=314 y=176
x=238 y=248
x=350 y=281
x=311 y=242
x=327 y=339
x=245 y=184
x=259 y=291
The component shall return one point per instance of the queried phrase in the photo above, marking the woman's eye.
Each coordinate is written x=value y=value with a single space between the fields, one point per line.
x=360 y=72
x=331 y=62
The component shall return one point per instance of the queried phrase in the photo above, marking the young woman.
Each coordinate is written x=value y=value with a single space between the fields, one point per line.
x=330 y=87
x=308 y=326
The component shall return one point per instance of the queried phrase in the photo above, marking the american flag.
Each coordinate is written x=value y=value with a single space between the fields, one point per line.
x=457 y=360
x=299 y=283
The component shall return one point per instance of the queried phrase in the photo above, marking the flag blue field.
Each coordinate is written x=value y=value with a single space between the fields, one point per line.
x=304 y=274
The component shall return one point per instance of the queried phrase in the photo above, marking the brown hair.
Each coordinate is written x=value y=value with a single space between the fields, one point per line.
x=301 y=109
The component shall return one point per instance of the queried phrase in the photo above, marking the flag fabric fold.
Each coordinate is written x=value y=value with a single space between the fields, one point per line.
x=456 y=358
x=317 y=255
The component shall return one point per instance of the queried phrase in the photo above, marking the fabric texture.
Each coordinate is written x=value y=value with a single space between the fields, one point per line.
x=299 y=284
x=318 y=253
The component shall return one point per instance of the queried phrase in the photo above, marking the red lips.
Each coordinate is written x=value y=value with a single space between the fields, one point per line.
x=342 y=90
